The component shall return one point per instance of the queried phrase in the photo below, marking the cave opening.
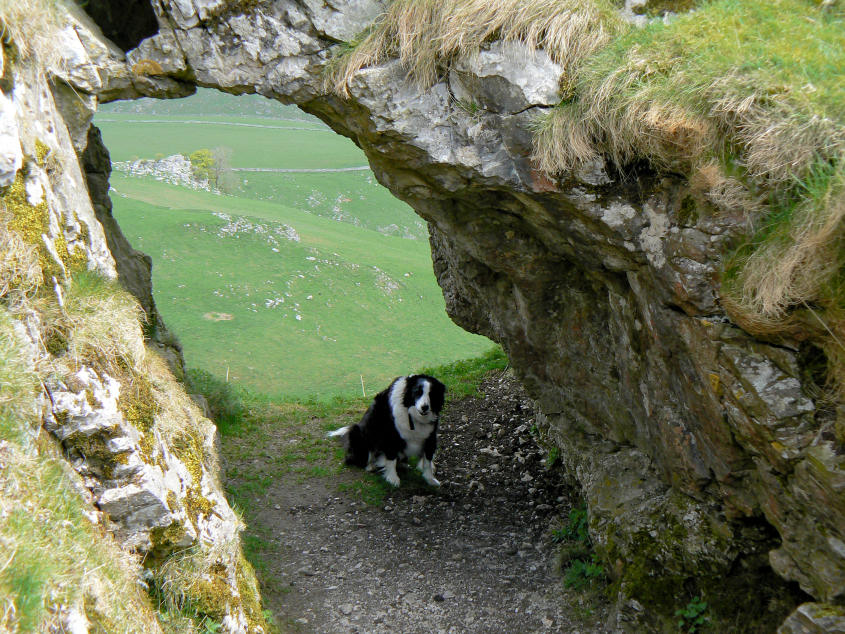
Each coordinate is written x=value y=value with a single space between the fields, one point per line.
x=278 y=259
x=125 y=22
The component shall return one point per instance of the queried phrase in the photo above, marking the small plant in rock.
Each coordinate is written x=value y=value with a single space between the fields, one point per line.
x=210 y=627
x=580 y=565
x=553 y=458
x=473 y=109
x=692 y=617
x=576 y=529
x=582 y=573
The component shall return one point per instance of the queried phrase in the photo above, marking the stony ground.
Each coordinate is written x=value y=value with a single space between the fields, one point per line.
x=475 y=555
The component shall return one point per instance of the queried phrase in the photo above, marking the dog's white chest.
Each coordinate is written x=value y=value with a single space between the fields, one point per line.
x=414 y=438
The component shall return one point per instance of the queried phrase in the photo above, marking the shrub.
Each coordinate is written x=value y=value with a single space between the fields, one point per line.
x=227 y=407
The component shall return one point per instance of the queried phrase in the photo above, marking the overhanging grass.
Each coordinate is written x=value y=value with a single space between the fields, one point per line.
x=32 y=26
x=424 y=33
x=746 y=99
x=760 y=81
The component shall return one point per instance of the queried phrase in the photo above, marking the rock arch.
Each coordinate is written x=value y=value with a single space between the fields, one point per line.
x=697 y=446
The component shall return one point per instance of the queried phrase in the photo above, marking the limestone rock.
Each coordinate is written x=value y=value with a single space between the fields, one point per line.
x=815 y=618
x=507 y=78
x=11 y=156
x=138 y=494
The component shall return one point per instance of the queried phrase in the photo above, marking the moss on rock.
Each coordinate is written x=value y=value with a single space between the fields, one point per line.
x=138 y=404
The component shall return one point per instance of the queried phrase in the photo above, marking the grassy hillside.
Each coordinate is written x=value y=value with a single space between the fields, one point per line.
x=254 y=142
x=266 y=285
x=267 y=135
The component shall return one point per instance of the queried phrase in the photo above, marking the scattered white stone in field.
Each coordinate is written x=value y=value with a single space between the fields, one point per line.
x=175 y=170
x=299 y=318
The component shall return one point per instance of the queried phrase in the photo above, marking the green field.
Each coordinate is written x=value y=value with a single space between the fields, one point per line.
x=281 y=137
x=254 y=142
x=293 y=286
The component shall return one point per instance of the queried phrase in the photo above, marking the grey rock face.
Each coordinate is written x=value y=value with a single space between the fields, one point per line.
x=154 y=481
x=136 y=492
x=11 y=156
x=601 y=286
x=507 y=78
x=815 y=618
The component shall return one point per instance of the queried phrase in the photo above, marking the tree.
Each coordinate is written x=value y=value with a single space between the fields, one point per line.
x=202 y=162
x=215 y=166
x=221 y=169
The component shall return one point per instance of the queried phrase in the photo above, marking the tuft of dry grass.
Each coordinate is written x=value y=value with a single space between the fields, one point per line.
x=791 y=268
x=759 y=81
x=100 y=324
x=424 y=34
x=31 y=26
x=18 y=383
x=178 y=413
x=194 y=582
x=20 y=272
x=789 y=279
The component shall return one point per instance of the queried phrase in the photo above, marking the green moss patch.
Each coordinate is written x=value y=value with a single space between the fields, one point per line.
x=138 y=404
x=30 y=221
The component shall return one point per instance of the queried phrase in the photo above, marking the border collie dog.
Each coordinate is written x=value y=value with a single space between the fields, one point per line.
x=401 y=422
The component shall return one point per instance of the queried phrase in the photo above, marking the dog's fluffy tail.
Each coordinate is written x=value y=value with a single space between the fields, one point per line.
x=357 y=453
x=343 y=431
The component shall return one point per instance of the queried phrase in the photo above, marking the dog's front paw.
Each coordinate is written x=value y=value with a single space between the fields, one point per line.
x=391 y=478
x=431 y=480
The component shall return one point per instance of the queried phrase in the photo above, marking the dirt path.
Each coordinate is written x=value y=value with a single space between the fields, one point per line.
x=473 y=556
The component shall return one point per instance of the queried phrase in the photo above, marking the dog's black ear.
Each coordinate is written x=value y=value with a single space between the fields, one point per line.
x=408 y=394
x=438 y=395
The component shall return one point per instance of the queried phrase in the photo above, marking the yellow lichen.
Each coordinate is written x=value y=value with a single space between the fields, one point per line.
x=196 y=504
x=138 y=404
x=41 y=152
x=92 y=399
x=167 y=536
x=148 y=67
x=29 y=221
x=187 y=448
x=78 y=257
x=250 y=595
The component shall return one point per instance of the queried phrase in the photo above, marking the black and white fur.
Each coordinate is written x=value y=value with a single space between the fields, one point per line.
x=401 y=422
